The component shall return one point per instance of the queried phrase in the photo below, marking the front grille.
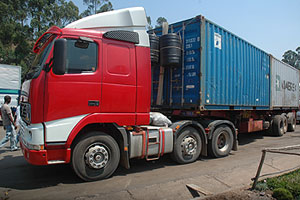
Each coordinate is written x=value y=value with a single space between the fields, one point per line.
x=25 y=111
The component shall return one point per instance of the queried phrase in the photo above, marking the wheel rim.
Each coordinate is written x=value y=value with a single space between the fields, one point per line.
x=281 y=127
x=285 y=125
x=97 y=156
x=189 y=146
x=223 y=141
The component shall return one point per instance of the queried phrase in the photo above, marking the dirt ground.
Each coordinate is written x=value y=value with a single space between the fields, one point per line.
x=148 y=180
x=241 y=194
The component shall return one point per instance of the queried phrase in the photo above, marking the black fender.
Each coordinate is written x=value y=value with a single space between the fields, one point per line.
x=213 y=124
x=124 y=160
x=178 y=126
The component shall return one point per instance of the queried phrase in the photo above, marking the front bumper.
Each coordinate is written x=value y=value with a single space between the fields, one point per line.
x=46 y=157
x=34 y=149
x=34 y=157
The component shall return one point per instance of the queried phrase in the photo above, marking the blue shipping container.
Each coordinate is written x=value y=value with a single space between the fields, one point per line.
x=220 y=71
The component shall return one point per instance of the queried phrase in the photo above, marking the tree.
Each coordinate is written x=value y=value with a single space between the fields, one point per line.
x=96 y=6
x=85 y=13
x=298 y=50
x=46 y=13
x=23 y=21
x=292 y=58
x=160 y=21
x=149 y=26
x=14 y=32
x=41 y=15
x=105 y=7
x=64 y=13
x=297 y=63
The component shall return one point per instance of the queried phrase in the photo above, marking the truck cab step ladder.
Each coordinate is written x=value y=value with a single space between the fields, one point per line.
x=160 y=135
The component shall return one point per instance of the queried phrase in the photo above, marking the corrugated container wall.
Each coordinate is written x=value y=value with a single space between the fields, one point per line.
x=220 y=71
x=284 y=84
x=10 y=83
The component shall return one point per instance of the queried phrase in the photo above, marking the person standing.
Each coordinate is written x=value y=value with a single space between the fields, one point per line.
x=8 y=123
x=17 y=121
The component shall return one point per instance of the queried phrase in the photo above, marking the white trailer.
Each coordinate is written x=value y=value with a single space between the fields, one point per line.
x=284 y=85
x=10 y=83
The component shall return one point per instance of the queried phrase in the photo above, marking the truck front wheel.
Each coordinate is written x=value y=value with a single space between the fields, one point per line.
x=188 y=146
x=95 y=157
x=221 y=142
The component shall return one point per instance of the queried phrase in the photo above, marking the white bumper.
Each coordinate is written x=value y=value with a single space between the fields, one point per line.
x=32 y=136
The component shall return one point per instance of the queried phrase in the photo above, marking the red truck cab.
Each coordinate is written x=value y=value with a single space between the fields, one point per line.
x=100 y=75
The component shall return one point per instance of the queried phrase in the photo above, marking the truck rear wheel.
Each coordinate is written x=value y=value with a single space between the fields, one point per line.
x=285 y=123
x=278 y=125
x=188 y=146
x=95 y=157
x=292 y=124
x=221 y=142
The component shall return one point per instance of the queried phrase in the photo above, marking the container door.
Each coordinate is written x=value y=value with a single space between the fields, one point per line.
x=285 y=85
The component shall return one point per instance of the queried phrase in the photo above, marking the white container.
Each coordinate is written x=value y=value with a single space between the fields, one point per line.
x=284 y=85
x=10 y=83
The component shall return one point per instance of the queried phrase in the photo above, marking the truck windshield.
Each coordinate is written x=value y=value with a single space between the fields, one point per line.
x=40 y=58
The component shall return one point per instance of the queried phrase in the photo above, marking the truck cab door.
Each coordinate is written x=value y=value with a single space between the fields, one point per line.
x=78 y=91
x=119 y=82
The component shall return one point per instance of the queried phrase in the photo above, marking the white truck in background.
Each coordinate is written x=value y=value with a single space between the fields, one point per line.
x=10 y=84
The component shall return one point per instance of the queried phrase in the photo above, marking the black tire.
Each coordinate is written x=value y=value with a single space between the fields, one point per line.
x=292 y=124
x=188 y=146
x=278 y=126
x=270 y=129
x=103 y=153
x=221 y=142
x=285 y=123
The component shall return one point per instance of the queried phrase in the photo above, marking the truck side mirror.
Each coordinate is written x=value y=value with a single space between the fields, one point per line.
x=60 y=57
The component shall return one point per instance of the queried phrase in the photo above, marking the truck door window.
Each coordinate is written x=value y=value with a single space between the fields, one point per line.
x=81 y=56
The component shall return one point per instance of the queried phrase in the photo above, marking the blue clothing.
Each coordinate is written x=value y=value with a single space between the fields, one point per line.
x=10 y=136
x=18 y=137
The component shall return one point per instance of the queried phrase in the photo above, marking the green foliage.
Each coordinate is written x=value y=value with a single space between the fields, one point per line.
x=96 y=6
x=282 y=194
x=160 y=21
x=261 y=186
x=290 y=182
x=149 y=26
x=64 y=13
x=105 y=7
x=292 y=58
x=22 y=22
x=15 y=33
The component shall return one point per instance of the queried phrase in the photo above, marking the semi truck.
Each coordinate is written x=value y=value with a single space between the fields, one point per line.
x=87 y=97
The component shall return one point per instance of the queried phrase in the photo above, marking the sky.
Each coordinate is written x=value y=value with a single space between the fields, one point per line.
x=271 y=25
